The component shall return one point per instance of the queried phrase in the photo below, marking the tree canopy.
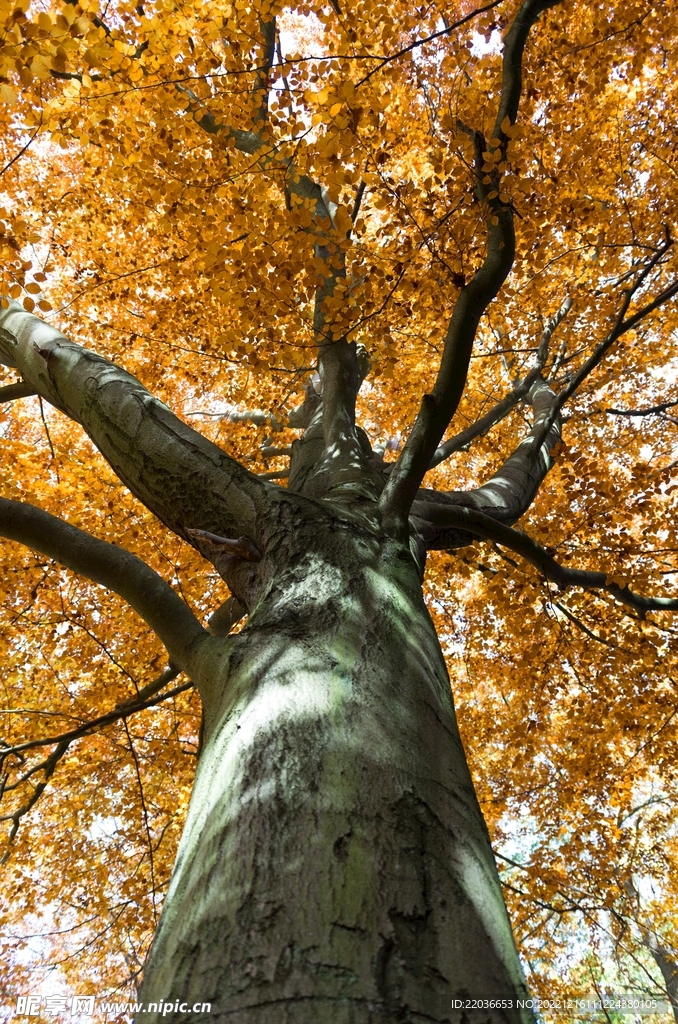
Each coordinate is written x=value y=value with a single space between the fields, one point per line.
x=209 y=195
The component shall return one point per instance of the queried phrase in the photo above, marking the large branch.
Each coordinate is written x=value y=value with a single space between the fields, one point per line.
x=343 y=460
x=11 y=392
x=458 y=442
x=503 y=407
x=477 y=523
x=187 y=481
x=346 y=459
x=110 y=566
x=508 y=494
x=438 y=407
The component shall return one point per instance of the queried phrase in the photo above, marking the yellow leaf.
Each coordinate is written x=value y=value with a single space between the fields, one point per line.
x=317 y=98
x=342 y=221
x=7 y=94
x=29 y=305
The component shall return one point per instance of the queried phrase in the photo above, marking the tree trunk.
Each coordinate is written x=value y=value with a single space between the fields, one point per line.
x=335 y=866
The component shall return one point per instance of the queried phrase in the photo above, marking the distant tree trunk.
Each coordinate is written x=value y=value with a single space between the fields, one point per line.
x=665 y=958
x=668 y=966
x=335 y=865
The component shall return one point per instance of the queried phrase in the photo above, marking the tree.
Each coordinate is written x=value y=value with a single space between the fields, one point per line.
x=425 y=225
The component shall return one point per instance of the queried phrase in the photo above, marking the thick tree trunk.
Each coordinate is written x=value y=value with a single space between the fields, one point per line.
x=335 y=866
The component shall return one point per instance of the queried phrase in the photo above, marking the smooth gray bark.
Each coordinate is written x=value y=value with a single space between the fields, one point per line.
x=335 y=865
x=187 y=481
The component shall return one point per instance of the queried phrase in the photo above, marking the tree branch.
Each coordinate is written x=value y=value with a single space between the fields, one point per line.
x=475 y=522
x=268 y=32
x=428 y=39
x=124 y=710
x=165 y=677
x=21 y=389
x=621 y=325
x=234 y=414
x=153 y=452
x=651 y=411
x=110 y=566
x=242 y=547
x=245 y=141
x=502 y=408
x=222 y=621
x=336 y=357
x=508 y=494
x=580 y=625
x=145 y=699
x=438 y=407
x=343 y=460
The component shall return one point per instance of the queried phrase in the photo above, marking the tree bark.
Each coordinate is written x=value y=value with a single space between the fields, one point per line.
x=335 y=865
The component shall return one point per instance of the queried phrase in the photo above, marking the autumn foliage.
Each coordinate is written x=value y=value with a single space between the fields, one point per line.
x=200 y=191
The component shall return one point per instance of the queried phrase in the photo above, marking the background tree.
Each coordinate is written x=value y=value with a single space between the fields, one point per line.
x=254 y=210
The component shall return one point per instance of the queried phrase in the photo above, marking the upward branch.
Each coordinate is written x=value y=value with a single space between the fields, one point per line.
x=343 y=460
x=152 y=451
x=438 y=407
x=503 y=407
x=621 y=326
x=509 y=492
